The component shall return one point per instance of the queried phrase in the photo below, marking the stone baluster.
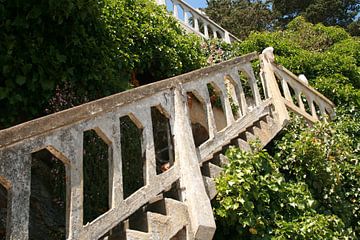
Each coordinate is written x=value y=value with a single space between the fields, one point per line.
x=196 y=23
x=225 y=103
x=299 y=99
x=186 y=17
x=286 y=90
x=206 y=30
x=312 y=107
x=176 y=10
x=214 y=32
x=17 y=174
x=243 y=104
x=227 y=37
x=209 y=112
x=161 y=2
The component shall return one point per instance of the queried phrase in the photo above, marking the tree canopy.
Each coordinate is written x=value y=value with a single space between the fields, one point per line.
x=241 y=16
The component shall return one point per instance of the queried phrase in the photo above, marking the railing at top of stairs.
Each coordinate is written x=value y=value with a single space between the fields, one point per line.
x=195 y=21
x=62 y=135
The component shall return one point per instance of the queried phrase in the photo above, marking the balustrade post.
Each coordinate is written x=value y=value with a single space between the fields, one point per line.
x=196 y=24
x=271 y=86
x=227 y=37
x=176 y=11
x=214 y=32
x=18 y=202
x=186 y=17
x=191 y=181
x=206 y=31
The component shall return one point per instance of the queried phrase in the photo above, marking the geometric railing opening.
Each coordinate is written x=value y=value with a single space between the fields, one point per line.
x=96 y=176
x=317 y=110
x=217 y=105
x=249 y=94
x=295 y=99
x=164 y=149
x=232 y=96
x=138 y=221
x=190 y=19
x=180 y=12
x=255 y=71
x=169 y=6
x=132 y=155
x=306 y=103
x=173 y=192
x=48 y=197
x=3 y=211
x=198 y=117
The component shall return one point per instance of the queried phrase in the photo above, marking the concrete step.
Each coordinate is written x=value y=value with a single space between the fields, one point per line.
x=262 y=132
x=242 y=144
x=210 y=187
x=211 y=170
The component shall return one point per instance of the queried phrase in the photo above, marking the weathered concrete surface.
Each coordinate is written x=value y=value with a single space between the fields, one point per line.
x=62 y=135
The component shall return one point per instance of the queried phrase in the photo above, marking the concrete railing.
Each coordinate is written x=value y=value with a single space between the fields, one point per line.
x=195 y=21
x=62 y=135
x=293 y=93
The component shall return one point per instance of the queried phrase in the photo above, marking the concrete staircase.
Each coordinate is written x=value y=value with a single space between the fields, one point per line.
x=151 y=212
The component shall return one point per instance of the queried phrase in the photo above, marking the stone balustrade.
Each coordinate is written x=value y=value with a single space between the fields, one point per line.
x=232 y=86
x=195 y=21
x=294 y=93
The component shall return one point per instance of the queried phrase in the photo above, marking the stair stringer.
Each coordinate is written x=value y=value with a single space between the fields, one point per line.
x=262 y=127
x=167 y=226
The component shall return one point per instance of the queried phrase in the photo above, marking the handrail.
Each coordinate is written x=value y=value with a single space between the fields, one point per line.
x=92 y=109
x=62 y=135
x=200 y=24
x=293 y=93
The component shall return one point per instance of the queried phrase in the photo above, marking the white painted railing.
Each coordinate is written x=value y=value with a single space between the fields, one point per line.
x=195 y=21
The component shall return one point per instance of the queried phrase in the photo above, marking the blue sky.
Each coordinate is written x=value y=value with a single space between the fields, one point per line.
x=197 y=3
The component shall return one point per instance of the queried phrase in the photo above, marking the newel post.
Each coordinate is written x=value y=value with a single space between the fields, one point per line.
x=272 y=90
x=191 y=182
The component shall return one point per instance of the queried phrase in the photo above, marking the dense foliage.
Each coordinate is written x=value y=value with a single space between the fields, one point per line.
x=72 y=51
x=309 y=186
x=329 y=12
x=241 y=17
x=259 y=199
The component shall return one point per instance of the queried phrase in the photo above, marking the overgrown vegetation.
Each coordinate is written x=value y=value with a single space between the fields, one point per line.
x=72 y=51
x=57 y=54
x=308 y=186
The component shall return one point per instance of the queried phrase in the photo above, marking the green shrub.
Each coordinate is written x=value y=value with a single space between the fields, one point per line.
x=258 y=200
x=73 y=51
x=318 y=165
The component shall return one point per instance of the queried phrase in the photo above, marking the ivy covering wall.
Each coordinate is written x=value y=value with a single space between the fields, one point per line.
x=57 y=54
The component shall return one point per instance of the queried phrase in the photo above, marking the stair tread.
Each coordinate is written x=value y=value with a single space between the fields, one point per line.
x=210 y=187
x=137 y=235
